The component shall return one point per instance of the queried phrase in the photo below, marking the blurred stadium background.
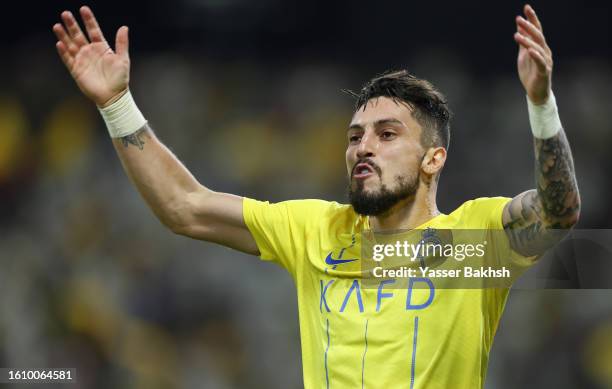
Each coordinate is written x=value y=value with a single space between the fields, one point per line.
x=247 y=94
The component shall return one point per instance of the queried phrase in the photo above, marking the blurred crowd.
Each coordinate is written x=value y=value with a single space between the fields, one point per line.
x=90 y=279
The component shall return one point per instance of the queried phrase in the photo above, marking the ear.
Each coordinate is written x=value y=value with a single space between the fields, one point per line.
x=434 y=160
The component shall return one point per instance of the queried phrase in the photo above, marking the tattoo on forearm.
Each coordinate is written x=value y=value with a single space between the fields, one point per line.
x=135 y=139
x=537 y=219
x=557 y=187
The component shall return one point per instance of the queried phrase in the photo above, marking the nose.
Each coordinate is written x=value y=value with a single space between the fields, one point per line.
x=367 y=146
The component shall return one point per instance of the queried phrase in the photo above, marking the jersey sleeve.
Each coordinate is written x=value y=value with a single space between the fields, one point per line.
x=486 y=212
x=281 y=230
x=490 y=210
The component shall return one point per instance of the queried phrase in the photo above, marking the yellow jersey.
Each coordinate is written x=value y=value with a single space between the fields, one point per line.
x=381 y=337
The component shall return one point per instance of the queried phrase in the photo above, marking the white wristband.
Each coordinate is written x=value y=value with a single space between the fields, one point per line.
x=122 y=117
x=544 y=119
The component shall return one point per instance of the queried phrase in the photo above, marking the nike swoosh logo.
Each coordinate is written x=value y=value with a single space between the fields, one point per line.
x=331 y=261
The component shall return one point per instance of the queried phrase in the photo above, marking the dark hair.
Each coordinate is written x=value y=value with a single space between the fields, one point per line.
x=429 y=106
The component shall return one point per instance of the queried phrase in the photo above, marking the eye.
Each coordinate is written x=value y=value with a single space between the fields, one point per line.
x=387 y=135
x=355 y=138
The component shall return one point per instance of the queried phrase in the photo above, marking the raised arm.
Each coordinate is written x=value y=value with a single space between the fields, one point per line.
x=537 y=219
x=175 y=196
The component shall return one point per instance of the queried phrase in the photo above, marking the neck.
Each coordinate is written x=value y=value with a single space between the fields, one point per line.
x=408 y=213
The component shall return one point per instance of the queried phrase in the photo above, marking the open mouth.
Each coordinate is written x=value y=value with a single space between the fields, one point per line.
x=363 y=171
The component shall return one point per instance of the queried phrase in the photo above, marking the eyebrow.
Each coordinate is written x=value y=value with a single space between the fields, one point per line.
x=378 y=123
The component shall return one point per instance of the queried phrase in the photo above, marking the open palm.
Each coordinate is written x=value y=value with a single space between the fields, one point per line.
x=534 y=60
x=100 y=73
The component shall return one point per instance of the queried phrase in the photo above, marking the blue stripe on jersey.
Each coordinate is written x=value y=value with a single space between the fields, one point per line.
x=365 y=350
x=327 y=349
x=414 y=345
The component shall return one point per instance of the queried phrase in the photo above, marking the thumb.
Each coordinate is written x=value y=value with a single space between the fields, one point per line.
x=122 y=42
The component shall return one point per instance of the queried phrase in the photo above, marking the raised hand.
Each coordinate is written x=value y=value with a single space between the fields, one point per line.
x=101 y=73
x=534 y=57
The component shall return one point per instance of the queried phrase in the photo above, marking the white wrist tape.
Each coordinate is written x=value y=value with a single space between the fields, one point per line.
x=122 y=117
x=544 y=119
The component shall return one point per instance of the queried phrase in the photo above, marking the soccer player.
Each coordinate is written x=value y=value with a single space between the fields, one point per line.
x=353 y=336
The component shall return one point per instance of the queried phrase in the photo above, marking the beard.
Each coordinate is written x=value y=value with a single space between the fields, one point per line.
x=380 y=202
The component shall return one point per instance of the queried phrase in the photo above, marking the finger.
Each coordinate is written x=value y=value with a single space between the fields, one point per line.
x=62 y=35
x=521 y=30
x=539 y=60
x=64 y=54
x=122 y=42
x=533 y=18
x=531 y=30
x=91 y=25
x=528 y=43
x=74 y=29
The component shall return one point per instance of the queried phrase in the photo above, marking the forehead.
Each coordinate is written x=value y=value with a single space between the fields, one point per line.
x=383 y=108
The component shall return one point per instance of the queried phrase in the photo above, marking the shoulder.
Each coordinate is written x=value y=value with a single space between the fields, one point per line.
x=317 y=205
x=481 y=203
x=304 y=209
x=482 y=212
x=323 y=212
